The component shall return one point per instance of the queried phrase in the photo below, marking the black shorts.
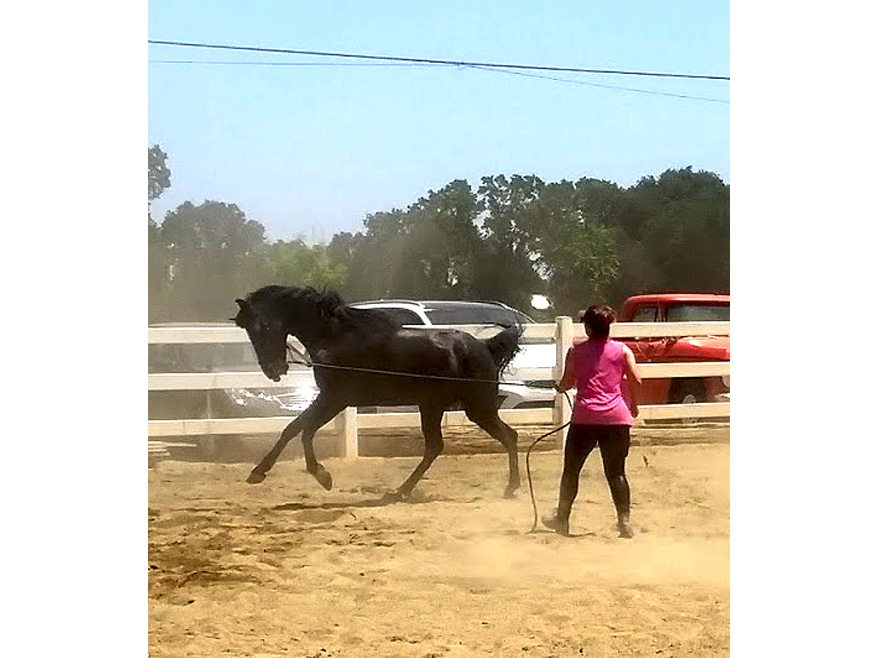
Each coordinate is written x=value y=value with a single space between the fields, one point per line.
x=614 y=442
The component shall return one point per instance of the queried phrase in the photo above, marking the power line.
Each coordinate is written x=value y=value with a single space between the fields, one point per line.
x=443 y=62
x=594 y=84
x=413 y=65
x=252 y=63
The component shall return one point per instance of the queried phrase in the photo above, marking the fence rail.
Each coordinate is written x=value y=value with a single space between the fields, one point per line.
x=347 y=423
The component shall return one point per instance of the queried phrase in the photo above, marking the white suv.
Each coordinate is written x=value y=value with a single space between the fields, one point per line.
x=514 y=392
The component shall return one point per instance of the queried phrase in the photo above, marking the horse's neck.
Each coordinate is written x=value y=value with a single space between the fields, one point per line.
x=326 y=340
x=310 y=339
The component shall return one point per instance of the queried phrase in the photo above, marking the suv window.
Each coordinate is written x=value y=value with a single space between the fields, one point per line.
x=403 y=315
x=476 y=315
x=698 y=313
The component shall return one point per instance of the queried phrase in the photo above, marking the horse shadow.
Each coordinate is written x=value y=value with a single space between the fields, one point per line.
x=381 y=501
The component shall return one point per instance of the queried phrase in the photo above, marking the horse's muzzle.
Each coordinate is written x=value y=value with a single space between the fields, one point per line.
x=275 y=370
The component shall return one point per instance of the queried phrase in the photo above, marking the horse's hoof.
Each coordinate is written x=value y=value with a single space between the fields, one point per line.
x=256 y=478
x=392 y=497
x=510 y=492
x=323 y=477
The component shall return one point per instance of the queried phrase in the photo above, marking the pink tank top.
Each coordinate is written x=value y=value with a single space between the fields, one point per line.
x=599 y=366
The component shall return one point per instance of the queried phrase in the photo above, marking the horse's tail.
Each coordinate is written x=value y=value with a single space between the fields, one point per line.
x=504 y=346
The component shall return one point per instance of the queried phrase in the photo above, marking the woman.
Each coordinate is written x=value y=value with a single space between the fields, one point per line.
x=601 y=415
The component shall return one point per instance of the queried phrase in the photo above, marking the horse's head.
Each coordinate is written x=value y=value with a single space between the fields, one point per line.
x=268 y=334
x=270 y=313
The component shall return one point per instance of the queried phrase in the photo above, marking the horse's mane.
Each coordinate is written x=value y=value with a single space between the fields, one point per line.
x=330 y=306
x=368 y=320
x=371 y=320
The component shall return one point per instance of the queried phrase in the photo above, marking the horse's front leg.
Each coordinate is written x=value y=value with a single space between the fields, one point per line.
x=308 y=421
x=322 y=413
x=259 y=472
x=313 y=466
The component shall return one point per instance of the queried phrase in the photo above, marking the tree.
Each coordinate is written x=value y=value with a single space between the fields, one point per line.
x=158 y=255
x=158 y=275
x=159 y=172
x=505 y=267
x=374 y=259
x=682 y=219
x=578 y=243
x=574 y=248
x=217 y=254
x=442 y=243
x=297 y=264
x=427 y=250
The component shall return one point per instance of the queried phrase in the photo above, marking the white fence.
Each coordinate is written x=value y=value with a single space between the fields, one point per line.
x=349 y=421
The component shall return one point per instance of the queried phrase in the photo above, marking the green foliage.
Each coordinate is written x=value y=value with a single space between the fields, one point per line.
x=296 y=263
x=441 y=245
x=212 y=225
x=564 y=230
x=159 y=172
x=158 y=275
x=582 y=267
x=214 y=254
x=373 y=260
x=675 y=234
x=507 y=262
x=427 y=250
x=158 y=255
x=578 y=243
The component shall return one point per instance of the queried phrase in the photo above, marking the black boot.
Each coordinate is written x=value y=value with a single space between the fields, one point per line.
x=558 y=522
x=624 y=530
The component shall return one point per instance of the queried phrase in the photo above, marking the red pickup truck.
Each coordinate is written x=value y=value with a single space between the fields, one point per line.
x=679 y=307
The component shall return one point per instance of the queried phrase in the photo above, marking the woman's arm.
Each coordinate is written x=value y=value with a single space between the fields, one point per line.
x=633 y=379
x=568 y=379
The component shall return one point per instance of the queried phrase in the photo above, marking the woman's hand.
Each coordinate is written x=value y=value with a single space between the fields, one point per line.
x=568 y=378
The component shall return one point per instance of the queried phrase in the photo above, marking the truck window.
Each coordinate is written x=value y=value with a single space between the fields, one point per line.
x=698 y=313
x=645 y=314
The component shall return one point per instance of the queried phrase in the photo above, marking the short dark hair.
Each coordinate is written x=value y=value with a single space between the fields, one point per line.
x=598 y=319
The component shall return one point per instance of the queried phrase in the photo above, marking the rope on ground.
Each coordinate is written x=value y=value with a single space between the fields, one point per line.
x=530 y=488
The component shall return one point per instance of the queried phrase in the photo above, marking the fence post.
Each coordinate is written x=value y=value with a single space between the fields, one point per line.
x=563 y=342
x=349 y=431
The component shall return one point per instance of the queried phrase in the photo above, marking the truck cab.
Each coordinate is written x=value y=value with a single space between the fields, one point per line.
x=679 y=307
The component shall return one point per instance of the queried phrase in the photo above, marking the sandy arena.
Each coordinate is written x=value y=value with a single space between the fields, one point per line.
x=285 y=568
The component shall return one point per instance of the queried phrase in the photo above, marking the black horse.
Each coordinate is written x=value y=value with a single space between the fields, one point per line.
x=364 y=357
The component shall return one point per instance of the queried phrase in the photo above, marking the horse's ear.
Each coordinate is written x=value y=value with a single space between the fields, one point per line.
x=243 y=307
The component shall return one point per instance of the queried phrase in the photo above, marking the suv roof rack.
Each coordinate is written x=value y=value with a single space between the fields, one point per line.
x=390 y=301
x=422 y=302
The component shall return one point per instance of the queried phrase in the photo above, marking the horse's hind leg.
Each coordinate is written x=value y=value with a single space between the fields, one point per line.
x=492 y=423
x=433 y=446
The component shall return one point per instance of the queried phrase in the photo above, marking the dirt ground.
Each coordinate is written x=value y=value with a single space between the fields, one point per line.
x=285 y=568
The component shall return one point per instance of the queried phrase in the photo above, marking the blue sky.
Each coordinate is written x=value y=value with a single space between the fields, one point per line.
x=311 y=149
